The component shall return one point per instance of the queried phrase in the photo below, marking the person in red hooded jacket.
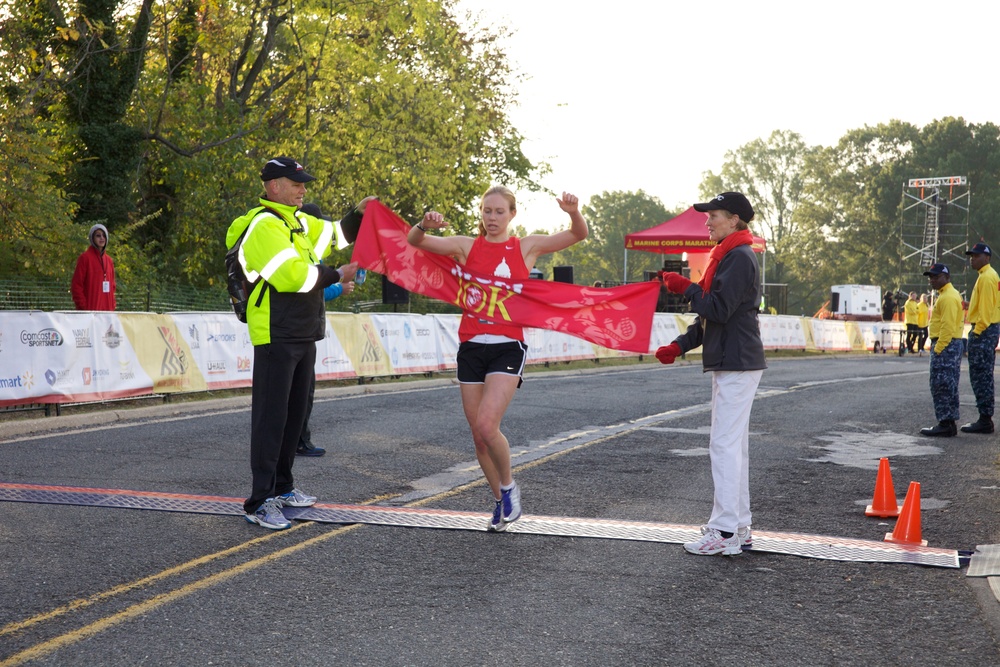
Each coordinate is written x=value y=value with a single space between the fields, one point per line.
x=93 y=286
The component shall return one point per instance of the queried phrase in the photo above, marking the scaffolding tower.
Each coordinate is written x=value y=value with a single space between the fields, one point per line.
x=934 y=227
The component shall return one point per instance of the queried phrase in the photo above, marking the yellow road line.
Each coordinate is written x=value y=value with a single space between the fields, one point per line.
x=139 y=583
x=47 y=647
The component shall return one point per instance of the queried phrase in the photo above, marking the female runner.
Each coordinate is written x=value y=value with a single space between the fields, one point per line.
x=491 y=355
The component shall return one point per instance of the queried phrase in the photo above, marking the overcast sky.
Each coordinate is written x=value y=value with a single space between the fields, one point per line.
x=630 y=94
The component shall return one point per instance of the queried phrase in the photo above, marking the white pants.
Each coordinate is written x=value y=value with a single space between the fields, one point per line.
x=729 y=447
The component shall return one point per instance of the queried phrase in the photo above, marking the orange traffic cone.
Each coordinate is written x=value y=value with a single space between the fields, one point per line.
x=907 y=529
x=884 y=502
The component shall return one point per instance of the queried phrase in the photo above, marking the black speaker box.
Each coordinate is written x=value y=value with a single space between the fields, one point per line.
x=562 y=274
x=393 y=294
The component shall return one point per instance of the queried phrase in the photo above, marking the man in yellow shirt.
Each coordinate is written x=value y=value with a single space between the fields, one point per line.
x=923 y=317
x=984 y=316
x=946 y=325
x=910 y=317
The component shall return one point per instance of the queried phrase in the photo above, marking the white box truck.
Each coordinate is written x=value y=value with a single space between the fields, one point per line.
x=856 y=302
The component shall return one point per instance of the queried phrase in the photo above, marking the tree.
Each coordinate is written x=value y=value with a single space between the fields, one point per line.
x=610 y=216
x=849 y=220
x=854 y=207
x=164 y=112
x=36 y=237
x=771 y=173
x=375 y=98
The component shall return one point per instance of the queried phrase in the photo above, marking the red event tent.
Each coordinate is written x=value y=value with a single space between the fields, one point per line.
x=685 y=233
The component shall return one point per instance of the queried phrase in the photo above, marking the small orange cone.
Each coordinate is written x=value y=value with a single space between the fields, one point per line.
x=907 y=529
x=884 y=502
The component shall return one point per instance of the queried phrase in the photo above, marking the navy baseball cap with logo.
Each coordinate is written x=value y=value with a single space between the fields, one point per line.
x=285 y=167
x=734 y=202
x=937 y=270
x=979 y=249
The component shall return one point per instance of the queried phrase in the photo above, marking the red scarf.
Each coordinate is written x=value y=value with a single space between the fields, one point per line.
x=734 y=240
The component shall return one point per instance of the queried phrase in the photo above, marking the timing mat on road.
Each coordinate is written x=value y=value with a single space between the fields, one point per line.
x=795 y=544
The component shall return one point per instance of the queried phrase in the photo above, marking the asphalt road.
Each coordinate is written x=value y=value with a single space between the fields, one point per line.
x=93 y=586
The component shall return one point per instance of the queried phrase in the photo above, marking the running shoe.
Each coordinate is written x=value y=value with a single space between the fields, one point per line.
x=269 y=515
x=746 y=537
x=712 y=542
x=296 y=498
x=496 y=524
x=511 y=500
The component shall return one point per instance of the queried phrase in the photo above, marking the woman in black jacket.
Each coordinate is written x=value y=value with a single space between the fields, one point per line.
x=726 y=301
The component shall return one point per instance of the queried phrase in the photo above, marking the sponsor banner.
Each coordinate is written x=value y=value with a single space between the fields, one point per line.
x=408 y=340
x=332 y=362
x=65 y=358
x=667 y=327
x=362 y=344
x=447 y=340
x=163 y=352
x=38 y=357
x=547 y=346
x=69 y=357
x=857 y=341
x=114 y=370
x=220 y=347
x=782 y=332
x=830 y=336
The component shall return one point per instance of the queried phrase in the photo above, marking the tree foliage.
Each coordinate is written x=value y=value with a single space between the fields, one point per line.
x=772 y=174
x=161 y=114
x=610 y=217
x=832 y=215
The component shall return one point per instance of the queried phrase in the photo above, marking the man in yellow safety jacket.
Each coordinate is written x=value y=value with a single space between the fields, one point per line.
x=280 y=253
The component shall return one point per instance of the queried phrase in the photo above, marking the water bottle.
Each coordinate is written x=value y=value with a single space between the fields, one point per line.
x=359 y=276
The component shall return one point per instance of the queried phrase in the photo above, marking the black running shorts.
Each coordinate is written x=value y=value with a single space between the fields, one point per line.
x=477 y=360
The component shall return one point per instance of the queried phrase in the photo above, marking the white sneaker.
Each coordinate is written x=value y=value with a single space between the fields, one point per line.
x=510 y=501
x=295 y=498
x=712 y=542
x=744 y=533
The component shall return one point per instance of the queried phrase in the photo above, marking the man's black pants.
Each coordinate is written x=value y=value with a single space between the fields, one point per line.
x=282 y=376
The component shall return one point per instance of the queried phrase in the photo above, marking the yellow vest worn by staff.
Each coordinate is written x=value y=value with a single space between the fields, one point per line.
x=283 y=250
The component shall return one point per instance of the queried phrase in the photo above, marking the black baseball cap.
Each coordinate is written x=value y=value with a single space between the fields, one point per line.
x=285 y=167
x=734 y=202
x=937 y=270
x=979 y=249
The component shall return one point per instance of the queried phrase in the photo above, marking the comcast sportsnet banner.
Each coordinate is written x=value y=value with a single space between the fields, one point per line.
x=66 y=358
x=619 y=318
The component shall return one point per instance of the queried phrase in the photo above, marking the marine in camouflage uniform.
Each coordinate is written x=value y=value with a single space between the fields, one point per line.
x=946 y=326
x=984 y=316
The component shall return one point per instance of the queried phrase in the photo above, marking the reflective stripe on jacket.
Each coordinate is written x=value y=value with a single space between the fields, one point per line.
x=282 y=251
